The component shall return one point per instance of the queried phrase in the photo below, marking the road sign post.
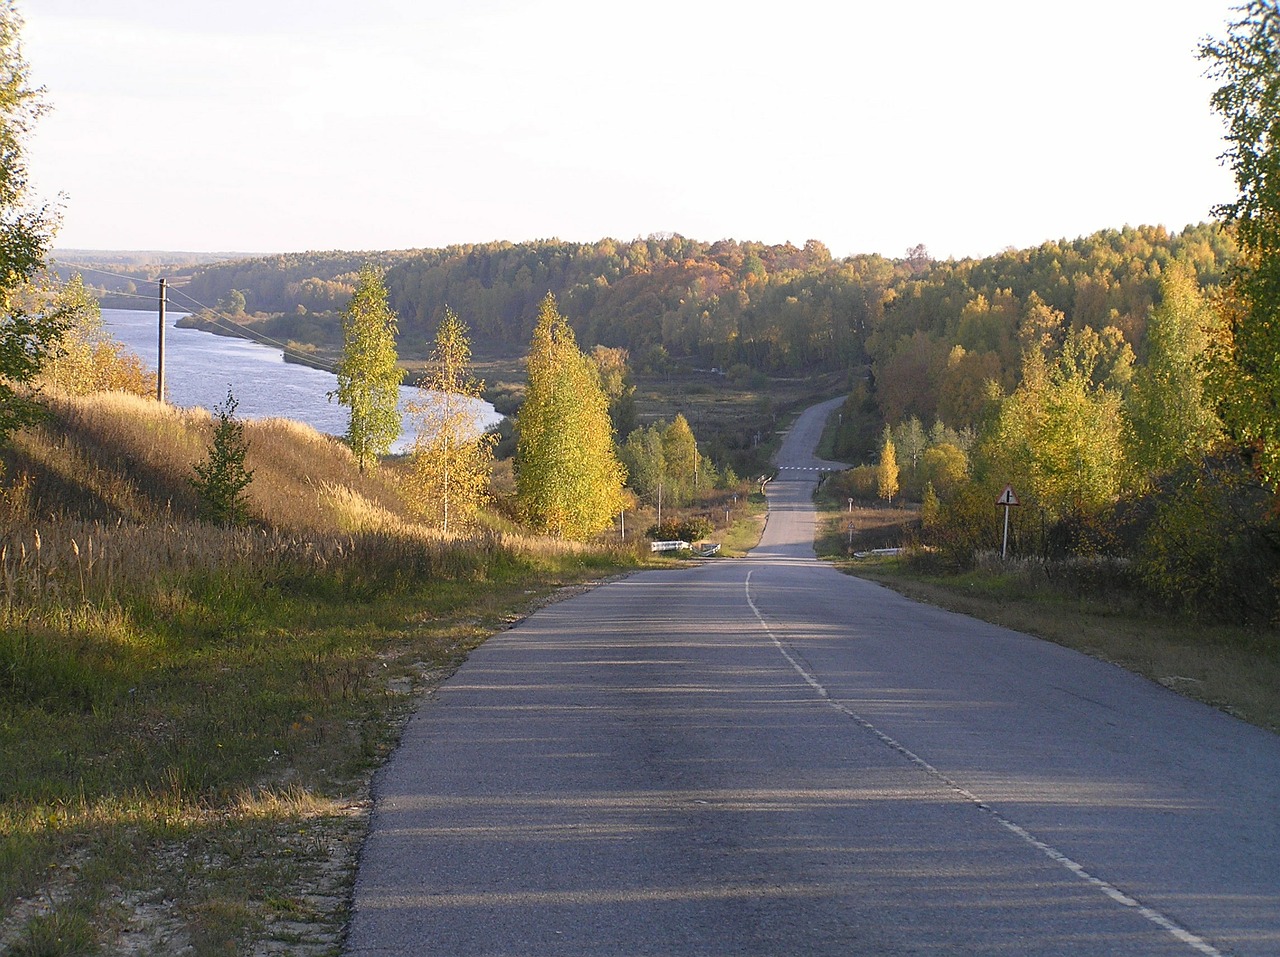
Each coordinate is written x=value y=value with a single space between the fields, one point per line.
x=1008 y=498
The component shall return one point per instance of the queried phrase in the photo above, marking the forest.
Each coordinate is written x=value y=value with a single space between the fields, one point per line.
x=929 y=333
x=1078 y=371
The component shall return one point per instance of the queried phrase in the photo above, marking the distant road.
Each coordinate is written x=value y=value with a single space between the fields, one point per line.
x=764 y=756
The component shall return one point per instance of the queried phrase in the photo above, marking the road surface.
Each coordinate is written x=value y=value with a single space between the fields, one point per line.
x=764 y=756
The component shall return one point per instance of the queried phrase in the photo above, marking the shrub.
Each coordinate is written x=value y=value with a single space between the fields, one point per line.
x=684 y=530
x=857 y=483
x=964 y=526
x=1212 y=545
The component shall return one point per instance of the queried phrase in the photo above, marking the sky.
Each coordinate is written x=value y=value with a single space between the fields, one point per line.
x=293 y=125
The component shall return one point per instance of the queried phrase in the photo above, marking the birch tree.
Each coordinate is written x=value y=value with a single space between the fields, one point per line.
x=452 y=459
x=1245 y=376
x=680 y=456
x=887 y=470
x=27 y=336
x=368 y=377
x=568 y=478
x=1171 y=420
x=1058 y=438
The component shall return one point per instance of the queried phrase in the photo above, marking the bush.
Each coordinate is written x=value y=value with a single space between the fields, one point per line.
x=856 y=483
x=684 y=530
x=965 y=526
x=1212 y=545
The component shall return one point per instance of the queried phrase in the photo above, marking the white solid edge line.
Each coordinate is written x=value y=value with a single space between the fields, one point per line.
x=1110 y=890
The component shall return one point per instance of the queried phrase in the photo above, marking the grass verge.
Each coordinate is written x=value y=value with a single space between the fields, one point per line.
x=193 y=775
x=1234 y=669
x=190 y=715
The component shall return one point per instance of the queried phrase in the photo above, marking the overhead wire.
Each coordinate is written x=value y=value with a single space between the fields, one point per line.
x=209 y=314
x=79 y=267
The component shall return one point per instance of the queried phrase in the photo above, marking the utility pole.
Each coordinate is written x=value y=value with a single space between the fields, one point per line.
x=160 y=351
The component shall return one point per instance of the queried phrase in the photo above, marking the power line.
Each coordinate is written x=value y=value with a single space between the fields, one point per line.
x=103 y=272
x=211 y=316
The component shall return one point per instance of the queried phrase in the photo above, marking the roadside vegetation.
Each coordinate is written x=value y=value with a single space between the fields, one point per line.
x=1138 y=445
x=1092 y=603
x=189 y=711
x=211 y=631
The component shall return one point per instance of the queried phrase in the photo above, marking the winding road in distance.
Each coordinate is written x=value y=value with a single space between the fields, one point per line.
x=764 y=756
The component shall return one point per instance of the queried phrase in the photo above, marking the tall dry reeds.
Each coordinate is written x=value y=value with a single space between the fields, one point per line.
x=46 y=569
x=98 y=512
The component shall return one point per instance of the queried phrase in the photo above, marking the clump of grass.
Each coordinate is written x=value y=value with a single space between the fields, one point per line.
x=55 y=934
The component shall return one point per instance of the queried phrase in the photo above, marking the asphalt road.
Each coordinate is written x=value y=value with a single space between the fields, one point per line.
x=764 y=756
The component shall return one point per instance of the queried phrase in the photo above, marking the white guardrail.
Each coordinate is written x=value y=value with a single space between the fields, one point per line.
x=706 y=550
x=668 y=546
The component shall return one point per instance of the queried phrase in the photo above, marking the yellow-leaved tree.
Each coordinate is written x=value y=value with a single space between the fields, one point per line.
x=1058 y=439
x=1245 y=372
x=680 y=457
x=87 y=359
x=368 y=376
x=887 y=470
x=568 y=478
x=452 y=458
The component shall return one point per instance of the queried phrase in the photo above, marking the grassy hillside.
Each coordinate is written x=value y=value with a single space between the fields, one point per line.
x=189 y=715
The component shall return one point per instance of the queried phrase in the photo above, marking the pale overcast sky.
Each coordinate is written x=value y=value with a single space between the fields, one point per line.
x=288 y=125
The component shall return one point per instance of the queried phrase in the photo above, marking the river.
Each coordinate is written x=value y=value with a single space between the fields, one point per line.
x=200 y=366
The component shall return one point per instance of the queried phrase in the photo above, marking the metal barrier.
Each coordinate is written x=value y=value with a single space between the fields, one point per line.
x=668 y=546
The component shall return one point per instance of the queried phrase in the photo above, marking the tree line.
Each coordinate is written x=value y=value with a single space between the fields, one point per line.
x=1134 y=413
x=774 y=309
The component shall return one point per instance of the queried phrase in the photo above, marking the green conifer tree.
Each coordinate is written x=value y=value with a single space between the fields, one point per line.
x=221 y=480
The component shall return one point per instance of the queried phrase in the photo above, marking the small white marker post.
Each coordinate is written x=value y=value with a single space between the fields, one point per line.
x=1008 y=499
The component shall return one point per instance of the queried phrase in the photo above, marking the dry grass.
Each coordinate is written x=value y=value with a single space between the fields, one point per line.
x=843 y=531
x=189 y=714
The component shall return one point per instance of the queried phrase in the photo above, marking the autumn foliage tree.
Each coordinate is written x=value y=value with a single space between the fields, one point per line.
x=368 y=377
x=680 y=459
x=887 y=470
x=1059 y=437
x=1246 y=377
x=87 y=359
x=568 y=479
x=452 y=459
x=1171 y=420
x=27 y=336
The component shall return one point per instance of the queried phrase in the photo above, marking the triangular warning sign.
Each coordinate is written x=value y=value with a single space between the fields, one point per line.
x=1007 y=497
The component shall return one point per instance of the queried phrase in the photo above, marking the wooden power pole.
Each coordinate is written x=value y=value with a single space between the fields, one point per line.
x=160 y=352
